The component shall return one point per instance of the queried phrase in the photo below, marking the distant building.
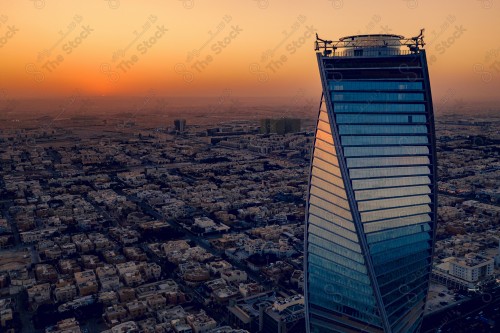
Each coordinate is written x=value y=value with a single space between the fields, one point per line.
x=265 y=126
x=280 y=126
x=180 y=125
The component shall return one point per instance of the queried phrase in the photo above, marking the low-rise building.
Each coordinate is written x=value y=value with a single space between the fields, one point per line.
x=472 y=267
x=65 y=292
x=69 y=266
x=86 y=282
x=217 y=267
x=228 y=329
x=108 y=298
x=234 y=276
x=284 y=315
x=126 y=327
x=39 y=294
x=126 y=294
x=151 y=271
x=136 y=308
x=467 y=272
x=115 y=314
x=108 y=278
x=45 y=273
x=249 y=289
x=194 y=272
x=156 y=301
x=69 y=325
x=201 y=322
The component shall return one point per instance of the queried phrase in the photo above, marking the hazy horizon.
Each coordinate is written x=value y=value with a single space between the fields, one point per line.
x=254 y=48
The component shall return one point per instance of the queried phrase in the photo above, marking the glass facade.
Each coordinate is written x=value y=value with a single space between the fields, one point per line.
x=372 y=201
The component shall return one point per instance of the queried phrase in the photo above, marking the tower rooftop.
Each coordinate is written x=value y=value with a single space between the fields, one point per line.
x=374 y=37
x=371 y=45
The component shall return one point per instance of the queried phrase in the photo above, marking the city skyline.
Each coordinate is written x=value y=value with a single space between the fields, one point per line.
x=115 y=196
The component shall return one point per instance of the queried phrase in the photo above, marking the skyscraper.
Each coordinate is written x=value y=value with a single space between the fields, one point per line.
x=371 y=212
x=180 y=125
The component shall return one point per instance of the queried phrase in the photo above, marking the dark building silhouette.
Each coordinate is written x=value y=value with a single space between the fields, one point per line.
x=180 y=125
x=280 y=126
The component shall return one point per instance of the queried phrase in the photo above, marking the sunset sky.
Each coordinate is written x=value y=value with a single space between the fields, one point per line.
x=49 y=48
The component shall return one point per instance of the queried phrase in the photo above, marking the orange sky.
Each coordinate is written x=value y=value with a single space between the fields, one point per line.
x=202 y=47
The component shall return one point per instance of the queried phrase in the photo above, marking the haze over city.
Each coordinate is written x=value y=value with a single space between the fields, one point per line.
x=193 y=49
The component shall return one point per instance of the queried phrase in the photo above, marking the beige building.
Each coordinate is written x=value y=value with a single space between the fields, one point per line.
x=201 y=322
x=194 y=272
x=69 y=325
x=39 y=294
x=65 y=293
x=45 y=273
x=467 y=272
x=127 y=327
x=234 y=276
x=86 y=282
x=69 y=266
x=472 y=267
x=6 y=317
x=156 y=301
x=113 y=315
x=151 y=271
x=136 y=308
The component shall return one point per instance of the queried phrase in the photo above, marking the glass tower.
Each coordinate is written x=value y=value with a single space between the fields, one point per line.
x=371 y=211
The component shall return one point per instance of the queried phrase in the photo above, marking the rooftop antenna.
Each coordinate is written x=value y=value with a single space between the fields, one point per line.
x=325 y=44
x=419 y=41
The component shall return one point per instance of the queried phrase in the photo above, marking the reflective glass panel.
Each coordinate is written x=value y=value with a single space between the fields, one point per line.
x=380 y=119
x=383 y=140
x=376 y=96
x=382 y=129
x=386 y=161
x=381 y=151
x=378 y=107
x=388 y=172
x=374 y=85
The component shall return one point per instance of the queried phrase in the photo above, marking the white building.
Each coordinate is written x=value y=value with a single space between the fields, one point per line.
x=204 y=225
x=472 y=267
